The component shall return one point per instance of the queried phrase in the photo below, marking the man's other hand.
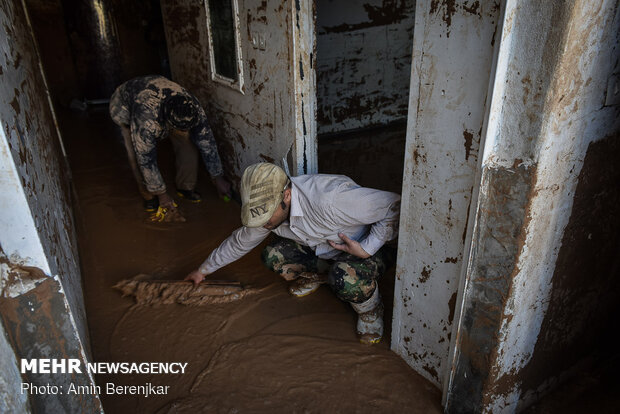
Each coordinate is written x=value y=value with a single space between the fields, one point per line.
x=222 y=185
x=350 y=246
x=195 y=277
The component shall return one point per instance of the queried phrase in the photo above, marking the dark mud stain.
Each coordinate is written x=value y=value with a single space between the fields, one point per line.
x=183 y=20
x=448 y=7
x=473 y=8
x=390 y=12
x=452 y=306
x=426 y=273
x=259 y=88
x=266 y=158
x=468 y=136
x=431 y=371
x=497 y=243
x=582 y=310
x=15 y=103
x=18 y=60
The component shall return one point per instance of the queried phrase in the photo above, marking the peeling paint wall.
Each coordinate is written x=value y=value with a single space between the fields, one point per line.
x=36 y=224
x=32 y=299
x=36 y=170
x=273 y=115
x=47 y=18
x=10 y=380
x=452 y=58
x=363 y=62
x=541 y=286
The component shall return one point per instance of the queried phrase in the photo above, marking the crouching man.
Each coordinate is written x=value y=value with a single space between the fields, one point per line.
x=331 y=230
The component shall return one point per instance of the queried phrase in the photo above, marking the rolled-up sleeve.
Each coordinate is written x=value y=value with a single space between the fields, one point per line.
x=240 y=242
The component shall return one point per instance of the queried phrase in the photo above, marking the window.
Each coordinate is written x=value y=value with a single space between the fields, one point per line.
x=224 y=48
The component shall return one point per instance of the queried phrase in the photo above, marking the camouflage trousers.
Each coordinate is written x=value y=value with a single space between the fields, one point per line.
x=353 y=279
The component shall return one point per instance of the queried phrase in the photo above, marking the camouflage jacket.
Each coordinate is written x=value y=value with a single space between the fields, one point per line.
x=137 y=103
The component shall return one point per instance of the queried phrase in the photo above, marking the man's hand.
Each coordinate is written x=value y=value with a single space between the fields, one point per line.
x=167 y=202
x=350 y=246
x=222 y=185
x=195 y=277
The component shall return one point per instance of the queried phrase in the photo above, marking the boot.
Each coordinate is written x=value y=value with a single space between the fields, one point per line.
x=370 y=319
x=306 y=283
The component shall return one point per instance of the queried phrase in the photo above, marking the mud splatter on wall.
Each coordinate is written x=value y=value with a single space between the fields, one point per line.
x=261 y=118
x=37 y=226
x=47 y=17
x=539 y=319
x=363 y=62
x=35 y=148
x=446 y=113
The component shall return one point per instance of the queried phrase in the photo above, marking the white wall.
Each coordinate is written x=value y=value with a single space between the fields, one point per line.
x=363 y=62
x=452 y=59
x=573 y=113
x=38 y=229
x=10 y=380
x=276 y=110
x=42 y=302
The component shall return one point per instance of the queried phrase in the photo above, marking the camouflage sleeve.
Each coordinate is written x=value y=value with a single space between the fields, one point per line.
x=202 y=137
x=144 y=135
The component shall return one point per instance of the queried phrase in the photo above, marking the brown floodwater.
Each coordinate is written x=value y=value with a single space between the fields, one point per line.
x=266 y=352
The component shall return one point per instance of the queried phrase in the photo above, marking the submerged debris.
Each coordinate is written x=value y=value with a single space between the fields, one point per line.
x=149 y=291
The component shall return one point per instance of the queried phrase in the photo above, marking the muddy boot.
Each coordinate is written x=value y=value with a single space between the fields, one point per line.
x=306 y=284
x=370 y=319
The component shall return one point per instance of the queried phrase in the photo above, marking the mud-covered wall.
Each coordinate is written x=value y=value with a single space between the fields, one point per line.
x=48 y=22
x=10 y=380
x=258 y=124
x=452 y=58
x=363 y=62
x=541 y=288
x=36 y=227
x=141 y=37
x=39 y=325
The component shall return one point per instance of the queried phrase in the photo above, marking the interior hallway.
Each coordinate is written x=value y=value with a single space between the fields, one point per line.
x=265 y=353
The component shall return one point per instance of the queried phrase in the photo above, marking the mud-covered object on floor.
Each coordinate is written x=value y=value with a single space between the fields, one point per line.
x=149 y=291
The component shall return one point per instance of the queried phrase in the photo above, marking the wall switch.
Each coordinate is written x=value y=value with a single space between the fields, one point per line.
x=255 y=40
x=262 y=43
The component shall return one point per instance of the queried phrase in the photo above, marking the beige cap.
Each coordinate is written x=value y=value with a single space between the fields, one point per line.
x=262 y=187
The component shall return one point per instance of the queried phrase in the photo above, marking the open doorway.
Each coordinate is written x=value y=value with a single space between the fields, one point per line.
x=363 y=66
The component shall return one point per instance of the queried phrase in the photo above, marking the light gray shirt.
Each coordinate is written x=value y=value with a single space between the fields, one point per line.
x=321 y=207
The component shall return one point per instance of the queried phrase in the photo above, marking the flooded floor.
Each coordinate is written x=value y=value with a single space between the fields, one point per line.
x=268 y=352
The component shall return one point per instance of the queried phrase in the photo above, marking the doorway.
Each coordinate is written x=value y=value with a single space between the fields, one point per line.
x=273 y=353
x=363 y=67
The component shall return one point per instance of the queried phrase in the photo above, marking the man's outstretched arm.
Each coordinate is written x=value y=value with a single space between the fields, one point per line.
x=240 y=242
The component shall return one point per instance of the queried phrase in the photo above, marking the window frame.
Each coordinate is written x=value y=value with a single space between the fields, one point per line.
x=216 y=77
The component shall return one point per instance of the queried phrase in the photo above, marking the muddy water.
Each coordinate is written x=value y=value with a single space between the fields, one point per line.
x=268 y=353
